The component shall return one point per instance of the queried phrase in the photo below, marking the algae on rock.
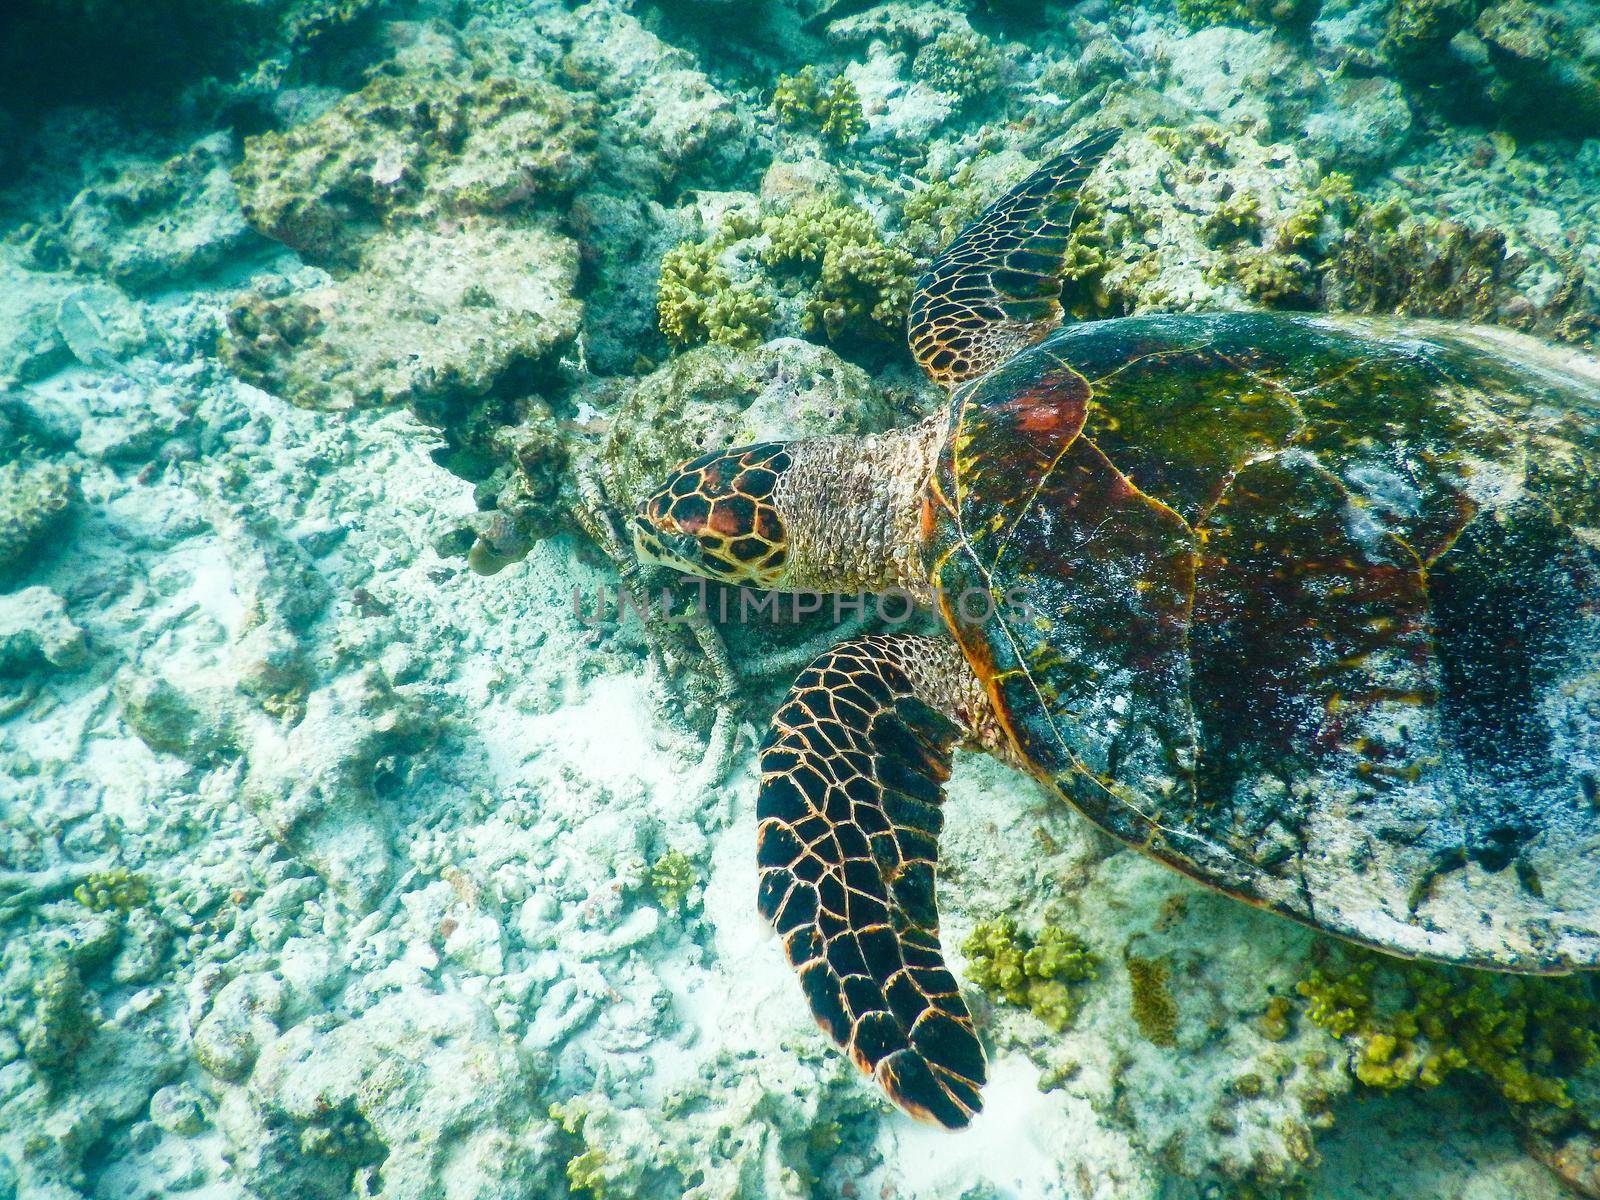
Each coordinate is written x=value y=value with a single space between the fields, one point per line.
x=36 y=498
x=408 y=148
x=430 y=319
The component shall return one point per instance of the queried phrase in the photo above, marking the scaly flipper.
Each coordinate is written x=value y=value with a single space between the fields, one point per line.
x=996 y=289
x=852 y=776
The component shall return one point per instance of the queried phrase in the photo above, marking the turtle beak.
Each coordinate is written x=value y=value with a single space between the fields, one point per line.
x=652 y=543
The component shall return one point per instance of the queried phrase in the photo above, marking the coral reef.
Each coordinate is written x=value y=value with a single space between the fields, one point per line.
x=348 y=846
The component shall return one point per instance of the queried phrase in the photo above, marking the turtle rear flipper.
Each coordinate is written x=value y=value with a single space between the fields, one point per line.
x=852 y=776
x=996 y=289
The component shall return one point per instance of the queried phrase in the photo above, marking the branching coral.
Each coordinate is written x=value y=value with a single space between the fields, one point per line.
x=1335 y=194
x=1032 y=971
x=852 y=282
x=863 y=284
x=931 y=216
x=1409 y=1024
x=697 y=302
x=964 y=65
x=1236 y=217
x=831 y=109
x=672 y=877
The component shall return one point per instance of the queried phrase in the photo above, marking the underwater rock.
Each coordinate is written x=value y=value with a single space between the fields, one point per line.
x=243 y=1017
x=431 y=318
x=715 y=396
x=36 y=499
x=132 y=423
x=177 y=1109
x=195 y=726
x=1545 y=74
x=666 y=119
x=100 y=325
x=314 y=786
x=324 y=1104
x=30 y=344
x=35 y=631
x=1365 y=125
x=154 y=223
x=412 y=148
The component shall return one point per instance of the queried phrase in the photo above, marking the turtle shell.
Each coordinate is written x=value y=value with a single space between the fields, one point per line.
x=1309 y=610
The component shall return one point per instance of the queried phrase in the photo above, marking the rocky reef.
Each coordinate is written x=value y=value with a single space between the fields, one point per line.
x=350 y=845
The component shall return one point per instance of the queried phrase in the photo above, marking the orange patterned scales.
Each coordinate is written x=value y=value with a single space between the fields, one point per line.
x=852 y=777
x=996 y=289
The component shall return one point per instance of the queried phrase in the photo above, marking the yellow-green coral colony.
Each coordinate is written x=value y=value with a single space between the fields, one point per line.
x=1030 y=970
x=851 y=280
x=1412 y=1024
x=830 y=108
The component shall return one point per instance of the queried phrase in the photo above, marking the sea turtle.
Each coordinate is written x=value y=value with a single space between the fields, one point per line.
x=1306 y=608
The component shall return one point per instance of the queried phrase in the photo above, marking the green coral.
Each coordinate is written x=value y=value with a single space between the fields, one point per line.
x=1154 y=1009
x=831 y=109
x=1334 y=195
x=1236 y=217
x=118 y=889
x=697 y=302
x=1032 y=971
x=672 y=877
x=585 y=1167
x=964 y=65
x=931 y=216
x=1268 y=277
x=1410 y=1024
x=586 y=1173
x=863 y=284
x=851 y=280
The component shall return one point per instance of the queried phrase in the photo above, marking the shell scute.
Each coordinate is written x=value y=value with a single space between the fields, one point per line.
x=1311 y=612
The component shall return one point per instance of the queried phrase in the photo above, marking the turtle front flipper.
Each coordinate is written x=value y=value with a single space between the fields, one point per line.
x=996 y=289
x=852 y=775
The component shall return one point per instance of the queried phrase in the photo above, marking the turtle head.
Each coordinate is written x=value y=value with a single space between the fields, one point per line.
x=717 y=516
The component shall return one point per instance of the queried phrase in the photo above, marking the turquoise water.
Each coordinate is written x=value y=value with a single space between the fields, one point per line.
x=359 y=836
